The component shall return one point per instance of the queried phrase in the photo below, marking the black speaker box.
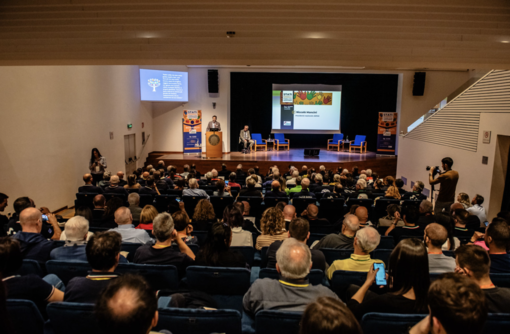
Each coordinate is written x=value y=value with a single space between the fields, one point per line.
x=212 y=80
x=419 y=83
x=312 y=152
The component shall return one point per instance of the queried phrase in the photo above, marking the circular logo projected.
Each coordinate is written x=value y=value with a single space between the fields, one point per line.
x=214 y=140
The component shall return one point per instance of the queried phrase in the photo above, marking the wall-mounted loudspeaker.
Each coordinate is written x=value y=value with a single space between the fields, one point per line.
x=312 y=152
x=419 y=83
x=213 y=82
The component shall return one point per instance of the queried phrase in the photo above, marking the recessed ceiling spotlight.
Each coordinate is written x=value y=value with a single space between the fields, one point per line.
x=231 y=34
x=505 y=41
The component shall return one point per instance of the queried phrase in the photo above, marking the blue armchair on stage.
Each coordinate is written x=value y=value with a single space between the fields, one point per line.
x=258 y=141
x=338 y=141
x=280 y=140
x=358 y=142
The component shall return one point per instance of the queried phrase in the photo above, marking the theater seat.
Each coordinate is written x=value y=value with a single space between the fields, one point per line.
x=31 y=267
x=158 y=276
x=389 y=323
x=196 y=321
x=247 y=251
x=19 y=311
x=341 y=279
x=76 y=318
x=66 y=270
x=315 y=277
x=336 y=254
x=277 y=322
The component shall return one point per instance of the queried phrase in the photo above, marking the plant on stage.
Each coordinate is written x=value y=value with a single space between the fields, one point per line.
x=302 y=95
x=154 y=83
x=310 y=95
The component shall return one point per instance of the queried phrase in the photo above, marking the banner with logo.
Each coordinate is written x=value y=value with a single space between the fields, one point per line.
x=192 y=131
x=387 y=133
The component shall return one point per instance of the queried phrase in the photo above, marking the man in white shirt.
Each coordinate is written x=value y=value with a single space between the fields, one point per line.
x=435 y=236
x=127 y=230
x=477 y=209
x=193 y=190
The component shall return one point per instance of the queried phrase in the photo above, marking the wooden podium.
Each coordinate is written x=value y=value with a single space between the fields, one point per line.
x=214 y=145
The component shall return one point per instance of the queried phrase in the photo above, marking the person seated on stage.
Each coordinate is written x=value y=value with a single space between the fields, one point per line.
x=224 y=171
x=435 y=236
x=416 y=194
x=89 y=188
x=362 y=214
x=311 y=214
x=366 y=240
x=342 y=240
x=150 y=188
x=251 y=172
x=232 y=181
x=292 y=180
x=426 y=216
x=410 y=228
x=216 y=251
x=297 y=188
x=250 y=189
x=193 y=189
x=275 y=191
x=292 y=292
x=273 y=228
x=105 y=182
x=146 y=217
x=114 y=187
x=127 y=230
x=203 y=216
x=399 y=184
x=222 y=190
x=336 y=193
x=299 y=229
x=328 y=315
x=245 y=139
x=239 y=172
x=131 y=183
x=474 y=262
x=304 y=193
x=76 y=234
x=160 y=183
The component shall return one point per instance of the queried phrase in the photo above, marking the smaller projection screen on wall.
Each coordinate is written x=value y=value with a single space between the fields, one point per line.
x=164 y=86
x=306 y=108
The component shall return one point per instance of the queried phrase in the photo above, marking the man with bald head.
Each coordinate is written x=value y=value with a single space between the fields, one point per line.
x=127 y=230
x=275 y=190
x=292 y=292
x=435 y=236
x=89 y=188
x=33 y=244
x=362 y=214
x=343 y=240
x=311 y=214
x=122 y=182
x=304 y=193
x=289 y=213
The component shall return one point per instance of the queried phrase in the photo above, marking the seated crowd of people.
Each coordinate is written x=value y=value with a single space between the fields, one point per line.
x=459 y=244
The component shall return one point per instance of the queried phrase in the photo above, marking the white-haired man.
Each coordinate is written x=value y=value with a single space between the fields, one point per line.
x=294 y=176
x=75 y=236
x=134 y=202
x=114 y=187
x=193 y=189
x=126 y=228
x=343 y=240
x=292 y=292
x=366 y=240
x=416 y=193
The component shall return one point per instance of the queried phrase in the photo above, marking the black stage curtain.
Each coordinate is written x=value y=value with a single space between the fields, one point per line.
x=363 y=96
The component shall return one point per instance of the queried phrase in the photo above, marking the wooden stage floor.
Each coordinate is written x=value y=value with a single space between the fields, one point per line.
x=384 y=165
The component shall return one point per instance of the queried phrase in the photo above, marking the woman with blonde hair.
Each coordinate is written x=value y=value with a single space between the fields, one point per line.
x=392 y=191
x=146 y=217
x=272 y=225
x=463 y=199
x=203 y=216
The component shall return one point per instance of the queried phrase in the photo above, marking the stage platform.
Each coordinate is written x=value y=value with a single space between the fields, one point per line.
x=383 y=165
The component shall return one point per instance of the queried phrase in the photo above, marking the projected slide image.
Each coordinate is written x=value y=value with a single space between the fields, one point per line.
x=314 y=98
x=158 y=85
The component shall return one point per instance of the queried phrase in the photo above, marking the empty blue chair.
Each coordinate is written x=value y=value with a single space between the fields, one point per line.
x=387 y=242
x=277 y=322
x=31 y=267
x=315 y=277
x=336 y=254
x=66 y=270
x=382 y=254
x=336 y=141
x=226 y=285
x=158 y=276
x=389 y=323
x=197 y=321
x=77 y=318
x=280 y=140
x=248 y=253
x=258 y=141
x=358 y=142
x=219 y=203
x=25 y=316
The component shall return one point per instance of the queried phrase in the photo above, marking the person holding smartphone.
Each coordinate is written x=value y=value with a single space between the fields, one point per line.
x=407 y=282
x=97 y=165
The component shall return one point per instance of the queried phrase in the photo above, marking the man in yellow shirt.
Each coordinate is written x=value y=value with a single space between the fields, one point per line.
x=366 y=240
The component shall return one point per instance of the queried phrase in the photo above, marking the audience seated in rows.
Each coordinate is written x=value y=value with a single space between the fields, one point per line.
x=233 y=216
x=222 y=190
x=131 y=183
x=82 y=211
x=162 y=251
x=149 y=188
x=366 y=240
x=311 y=213
x=49 y=228
x=76 y=233
x=298 y=186
x=99 y=203
x=147 y=215
x=275 y=190
x=289 y=213
x=342 y=240
x=497 y=238
x=193 y=190
x=362 y=214
x=292 y=292
x=108 y=218
x=250 y=189
x=477 y=209
x=89 y=187
x=435 y=236
x=216 y=251
x=114 y=187
x=426 y=216
x=126 y=228
x=203 y=216
x=416 y=193
x=304 y=193
x=272 y=225
x=183 y=227
x=410 y=228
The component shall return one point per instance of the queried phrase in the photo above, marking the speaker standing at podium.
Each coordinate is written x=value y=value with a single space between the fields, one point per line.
x=213 y=125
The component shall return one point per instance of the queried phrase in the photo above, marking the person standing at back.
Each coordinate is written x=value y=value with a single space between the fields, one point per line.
x=448 y=181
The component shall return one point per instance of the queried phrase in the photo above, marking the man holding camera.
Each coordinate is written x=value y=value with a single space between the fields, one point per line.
x=448 y=181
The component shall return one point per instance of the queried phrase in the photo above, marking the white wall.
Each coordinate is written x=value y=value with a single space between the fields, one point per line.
x=51 y=118
x=475 y=178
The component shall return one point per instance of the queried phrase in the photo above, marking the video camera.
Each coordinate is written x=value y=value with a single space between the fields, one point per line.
x=435 y=171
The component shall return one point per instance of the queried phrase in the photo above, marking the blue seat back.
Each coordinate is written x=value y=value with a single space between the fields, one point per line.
x=131 y=248
x=367 y=203
x=322 y=229
x=263 y=252
x=65 y=270
x=219 y=203
x=161 y=202
x=302 y=203
x=190 y=202
x=174 y=192
x=382 y=254
x=25 y=316
x=272 y=201
x=381 y=205
x=315 y=277
x=279 y=137
x=341 y=279
x=146 y=199
x=358 y=140
x=94 y=229
x=84 y=199
x=257 y=137
x=277 y=322
x=387 y=242
x=197 y=321
x=194 y=247
x=255 y=205
x=158 y=276
x=248 y=253
x=389 y=323
x=497 y=323
x=336 y=254
x=314 y=237
x=331 y=209
x=109 y=196
x=501 y=280
x=78 y=316
x=337 y=137
x=31 y=267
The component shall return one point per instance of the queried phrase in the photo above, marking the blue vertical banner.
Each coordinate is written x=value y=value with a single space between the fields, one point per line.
x=192 y=131
x=387 y=133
